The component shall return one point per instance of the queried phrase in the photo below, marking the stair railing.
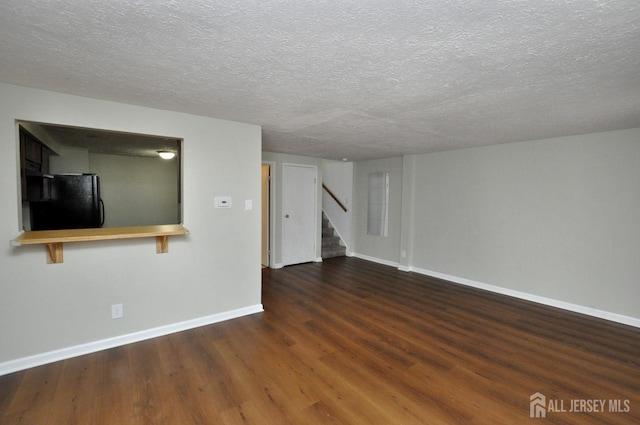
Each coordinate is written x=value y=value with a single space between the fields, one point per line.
x=335 y=198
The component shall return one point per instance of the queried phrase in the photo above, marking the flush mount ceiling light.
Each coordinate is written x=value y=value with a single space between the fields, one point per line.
x=166 y=154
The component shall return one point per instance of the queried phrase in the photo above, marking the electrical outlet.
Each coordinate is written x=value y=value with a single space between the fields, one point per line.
x=117 y=311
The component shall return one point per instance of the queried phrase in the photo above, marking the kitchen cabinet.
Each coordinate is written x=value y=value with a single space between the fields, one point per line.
x=34 y=167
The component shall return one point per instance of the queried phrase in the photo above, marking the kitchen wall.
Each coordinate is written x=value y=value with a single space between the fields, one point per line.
x=137 y=191
x=52 y=311
x=70 y=160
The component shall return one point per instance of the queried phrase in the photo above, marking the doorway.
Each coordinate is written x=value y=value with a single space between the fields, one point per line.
x=266 y=214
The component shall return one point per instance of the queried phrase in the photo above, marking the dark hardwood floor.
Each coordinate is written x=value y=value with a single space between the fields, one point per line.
x=350 y=342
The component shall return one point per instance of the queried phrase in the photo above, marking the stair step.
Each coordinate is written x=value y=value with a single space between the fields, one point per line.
x=337 y=252
x=331 y=242
x=331 y=246
x=327 y=232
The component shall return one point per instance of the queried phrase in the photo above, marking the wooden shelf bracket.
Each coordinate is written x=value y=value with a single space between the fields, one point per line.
x=162 y=244
x=54 y=253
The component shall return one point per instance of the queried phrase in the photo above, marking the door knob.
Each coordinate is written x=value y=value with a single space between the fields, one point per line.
x=286 y=216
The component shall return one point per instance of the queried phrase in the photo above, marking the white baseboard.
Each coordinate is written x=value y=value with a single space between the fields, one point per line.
x=375 y=260
x=91 y=347
x=601 y=314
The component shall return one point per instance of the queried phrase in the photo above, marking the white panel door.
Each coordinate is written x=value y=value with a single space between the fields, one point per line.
x=299 y=214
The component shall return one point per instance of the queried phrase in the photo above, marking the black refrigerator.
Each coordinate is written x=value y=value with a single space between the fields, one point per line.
x=73 y=203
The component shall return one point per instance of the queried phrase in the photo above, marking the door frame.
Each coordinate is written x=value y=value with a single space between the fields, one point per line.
x=271 y=212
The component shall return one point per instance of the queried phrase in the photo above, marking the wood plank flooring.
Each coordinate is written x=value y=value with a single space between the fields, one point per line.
x=349 y=342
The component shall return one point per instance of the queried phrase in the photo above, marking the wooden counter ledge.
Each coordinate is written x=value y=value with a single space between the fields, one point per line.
x=53 y=239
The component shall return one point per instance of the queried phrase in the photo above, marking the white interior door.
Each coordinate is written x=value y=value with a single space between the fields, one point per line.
x=299 y=214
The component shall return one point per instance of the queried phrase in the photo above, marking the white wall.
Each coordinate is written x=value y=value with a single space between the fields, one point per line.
x=379 y=248
x=277 y=160
x=213 y=271
x=555 y=221
x=556 y=218
x=338 y=176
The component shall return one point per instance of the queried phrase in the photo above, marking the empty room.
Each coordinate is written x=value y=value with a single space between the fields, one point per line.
x=368 y=212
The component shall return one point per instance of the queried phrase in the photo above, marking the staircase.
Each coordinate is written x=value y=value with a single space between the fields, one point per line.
x=331 y=243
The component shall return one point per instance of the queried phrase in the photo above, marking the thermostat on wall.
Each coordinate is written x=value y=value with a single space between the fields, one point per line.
x=222 y=201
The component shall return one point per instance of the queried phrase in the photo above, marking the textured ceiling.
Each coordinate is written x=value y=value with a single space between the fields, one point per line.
x=354 y=79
